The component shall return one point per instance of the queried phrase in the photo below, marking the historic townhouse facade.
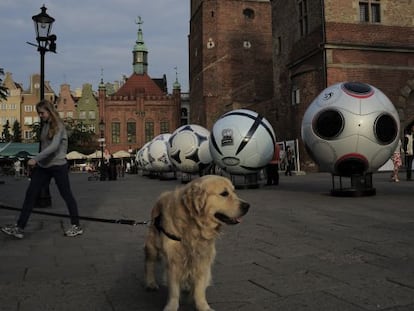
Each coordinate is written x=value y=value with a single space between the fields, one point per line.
x=66 y=104
x=87 y=109
x=10 y=109
x=30 y=97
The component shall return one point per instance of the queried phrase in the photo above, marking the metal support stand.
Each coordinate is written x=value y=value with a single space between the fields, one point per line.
x=248 y=181
x=359 y=185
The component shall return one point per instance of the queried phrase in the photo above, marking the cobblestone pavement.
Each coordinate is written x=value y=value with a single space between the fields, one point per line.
x=298 y=248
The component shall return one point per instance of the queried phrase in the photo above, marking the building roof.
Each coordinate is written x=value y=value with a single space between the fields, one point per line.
x=19 y=150
x=139 y=84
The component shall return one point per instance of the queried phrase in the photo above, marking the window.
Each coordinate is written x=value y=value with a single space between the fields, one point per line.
x=82 y=115
x=184 y=116
x=28 y=120
x=28 y=108
x=248 y=13
x=28 y=134
x=69 y=114
x=303 y=17
x=131 y=132
x=3 y=106
x=369 y=11
x=116 y=132
x=164 y=128
x=92 y=115
x=149 y=130
x=279 y=45
x=295 y=96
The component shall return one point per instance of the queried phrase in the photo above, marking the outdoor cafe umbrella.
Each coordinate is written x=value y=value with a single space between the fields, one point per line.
x=96 y=155
x=121 y=154
x=75 y=155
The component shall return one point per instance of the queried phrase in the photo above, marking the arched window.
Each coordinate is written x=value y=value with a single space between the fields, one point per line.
x=248 y=13
x=131 y=131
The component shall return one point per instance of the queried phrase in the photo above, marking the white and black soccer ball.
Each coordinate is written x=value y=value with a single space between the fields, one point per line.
x=158 y=155
x=142 y=158
x=242 y=142
x=188 y=148
x=350 y=128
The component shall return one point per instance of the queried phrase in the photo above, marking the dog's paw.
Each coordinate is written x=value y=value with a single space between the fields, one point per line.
x=151 y=287
x=171 y=307
x=204 y=308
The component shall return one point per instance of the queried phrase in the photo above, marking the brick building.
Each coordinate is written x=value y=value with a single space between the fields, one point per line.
x=319 y=43
x=66 y=104
x=230 y=58
x=10 y=107
x=30 y=97
x=141 y=108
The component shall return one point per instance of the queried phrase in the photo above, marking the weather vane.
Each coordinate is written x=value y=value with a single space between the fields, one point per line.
x=176 y=73
x=139 y=21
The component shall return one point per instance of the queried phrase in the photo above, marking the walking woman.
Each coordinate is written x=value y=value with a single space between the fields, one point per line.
x=49 y=163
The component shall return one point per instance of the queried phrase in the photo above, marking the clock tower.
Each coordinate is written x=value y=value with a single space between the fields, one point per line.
x=140 y=52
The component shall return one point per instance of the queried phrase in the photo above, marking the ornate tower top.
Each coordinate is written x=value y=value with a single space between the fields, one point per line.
x=176 y=84
x=140 y=52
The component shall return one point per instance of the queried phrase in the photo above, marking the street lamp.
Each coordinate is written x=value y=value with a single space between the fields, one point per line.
x=102 y=140
x=45 y=43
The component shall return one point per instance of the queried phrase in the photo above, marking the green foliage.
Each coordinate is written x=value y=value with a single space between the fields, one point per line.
x=81 y=138
x=17 y=132
x=6 y=136
x=3 y=89
x=36 y=127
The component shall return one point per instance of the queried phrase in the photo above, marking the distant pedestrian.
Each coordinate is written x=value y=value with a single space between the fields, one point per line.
x=272 y=168
x=288 y=161
x=409 y=151
x=49 y=163
x=396 y=160
x=17 y=168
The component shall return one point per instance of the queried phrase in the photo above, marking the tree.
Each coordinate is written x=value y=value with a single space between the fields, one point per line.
x=80 y=138
x=6 y=132
x=3 y=89
x=36 y=127
x=17 y=132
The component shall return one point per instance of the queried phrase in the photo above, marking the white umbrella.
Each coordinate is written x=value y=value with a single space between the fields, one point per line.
x=96 y=155
x=121 y=154
x=75 y=155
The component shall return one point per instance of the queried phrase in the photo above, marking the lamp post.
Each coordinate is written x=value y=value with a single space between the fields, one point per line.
x=45 y=43
x=102 y=141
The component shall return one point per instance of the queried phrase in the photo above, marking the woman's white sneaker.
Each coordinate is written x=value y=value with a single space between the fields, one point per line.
x=74 y=231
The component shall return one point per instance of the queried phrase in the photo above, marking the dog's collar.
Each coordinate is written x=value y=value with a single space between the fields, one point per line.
x=160 y=228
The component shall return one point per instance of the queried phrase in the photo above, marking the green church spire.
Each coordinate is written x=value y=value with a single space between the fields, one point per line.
x=140 y=52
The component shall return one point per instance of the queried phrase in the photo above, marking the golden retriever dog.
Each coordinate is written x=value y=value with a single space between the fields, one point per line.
x=185 y=225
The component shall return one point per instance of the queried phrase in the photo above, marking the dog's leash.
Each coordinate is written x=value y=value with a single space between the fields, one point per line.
x=113 y=221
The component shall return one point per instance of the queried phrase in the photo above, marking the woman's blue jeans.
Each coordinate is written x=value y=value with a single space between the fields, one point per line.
x=41 y=177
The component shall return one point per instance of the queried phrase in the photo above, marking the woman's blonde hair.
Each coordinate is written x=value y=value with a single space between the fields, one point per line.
x=54 y=120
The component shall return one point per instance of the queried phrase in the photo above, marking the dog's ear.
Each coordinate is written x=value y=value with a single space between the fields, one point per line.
x=194 y=199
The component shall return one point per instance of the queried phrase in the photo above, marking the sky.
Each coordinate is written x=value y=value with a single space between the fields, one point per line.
x=95 y=40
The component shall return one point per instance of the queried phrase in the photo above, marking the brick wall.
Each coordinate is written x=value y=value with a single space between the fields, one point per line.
x=231 y=60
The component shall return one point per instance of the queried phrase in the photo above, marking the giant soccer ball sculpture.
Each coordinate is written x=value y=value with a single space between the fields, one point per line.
x=242 y=142
x=188 y=148
x=158 y=155
x=143 y=158
x=351 y=129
